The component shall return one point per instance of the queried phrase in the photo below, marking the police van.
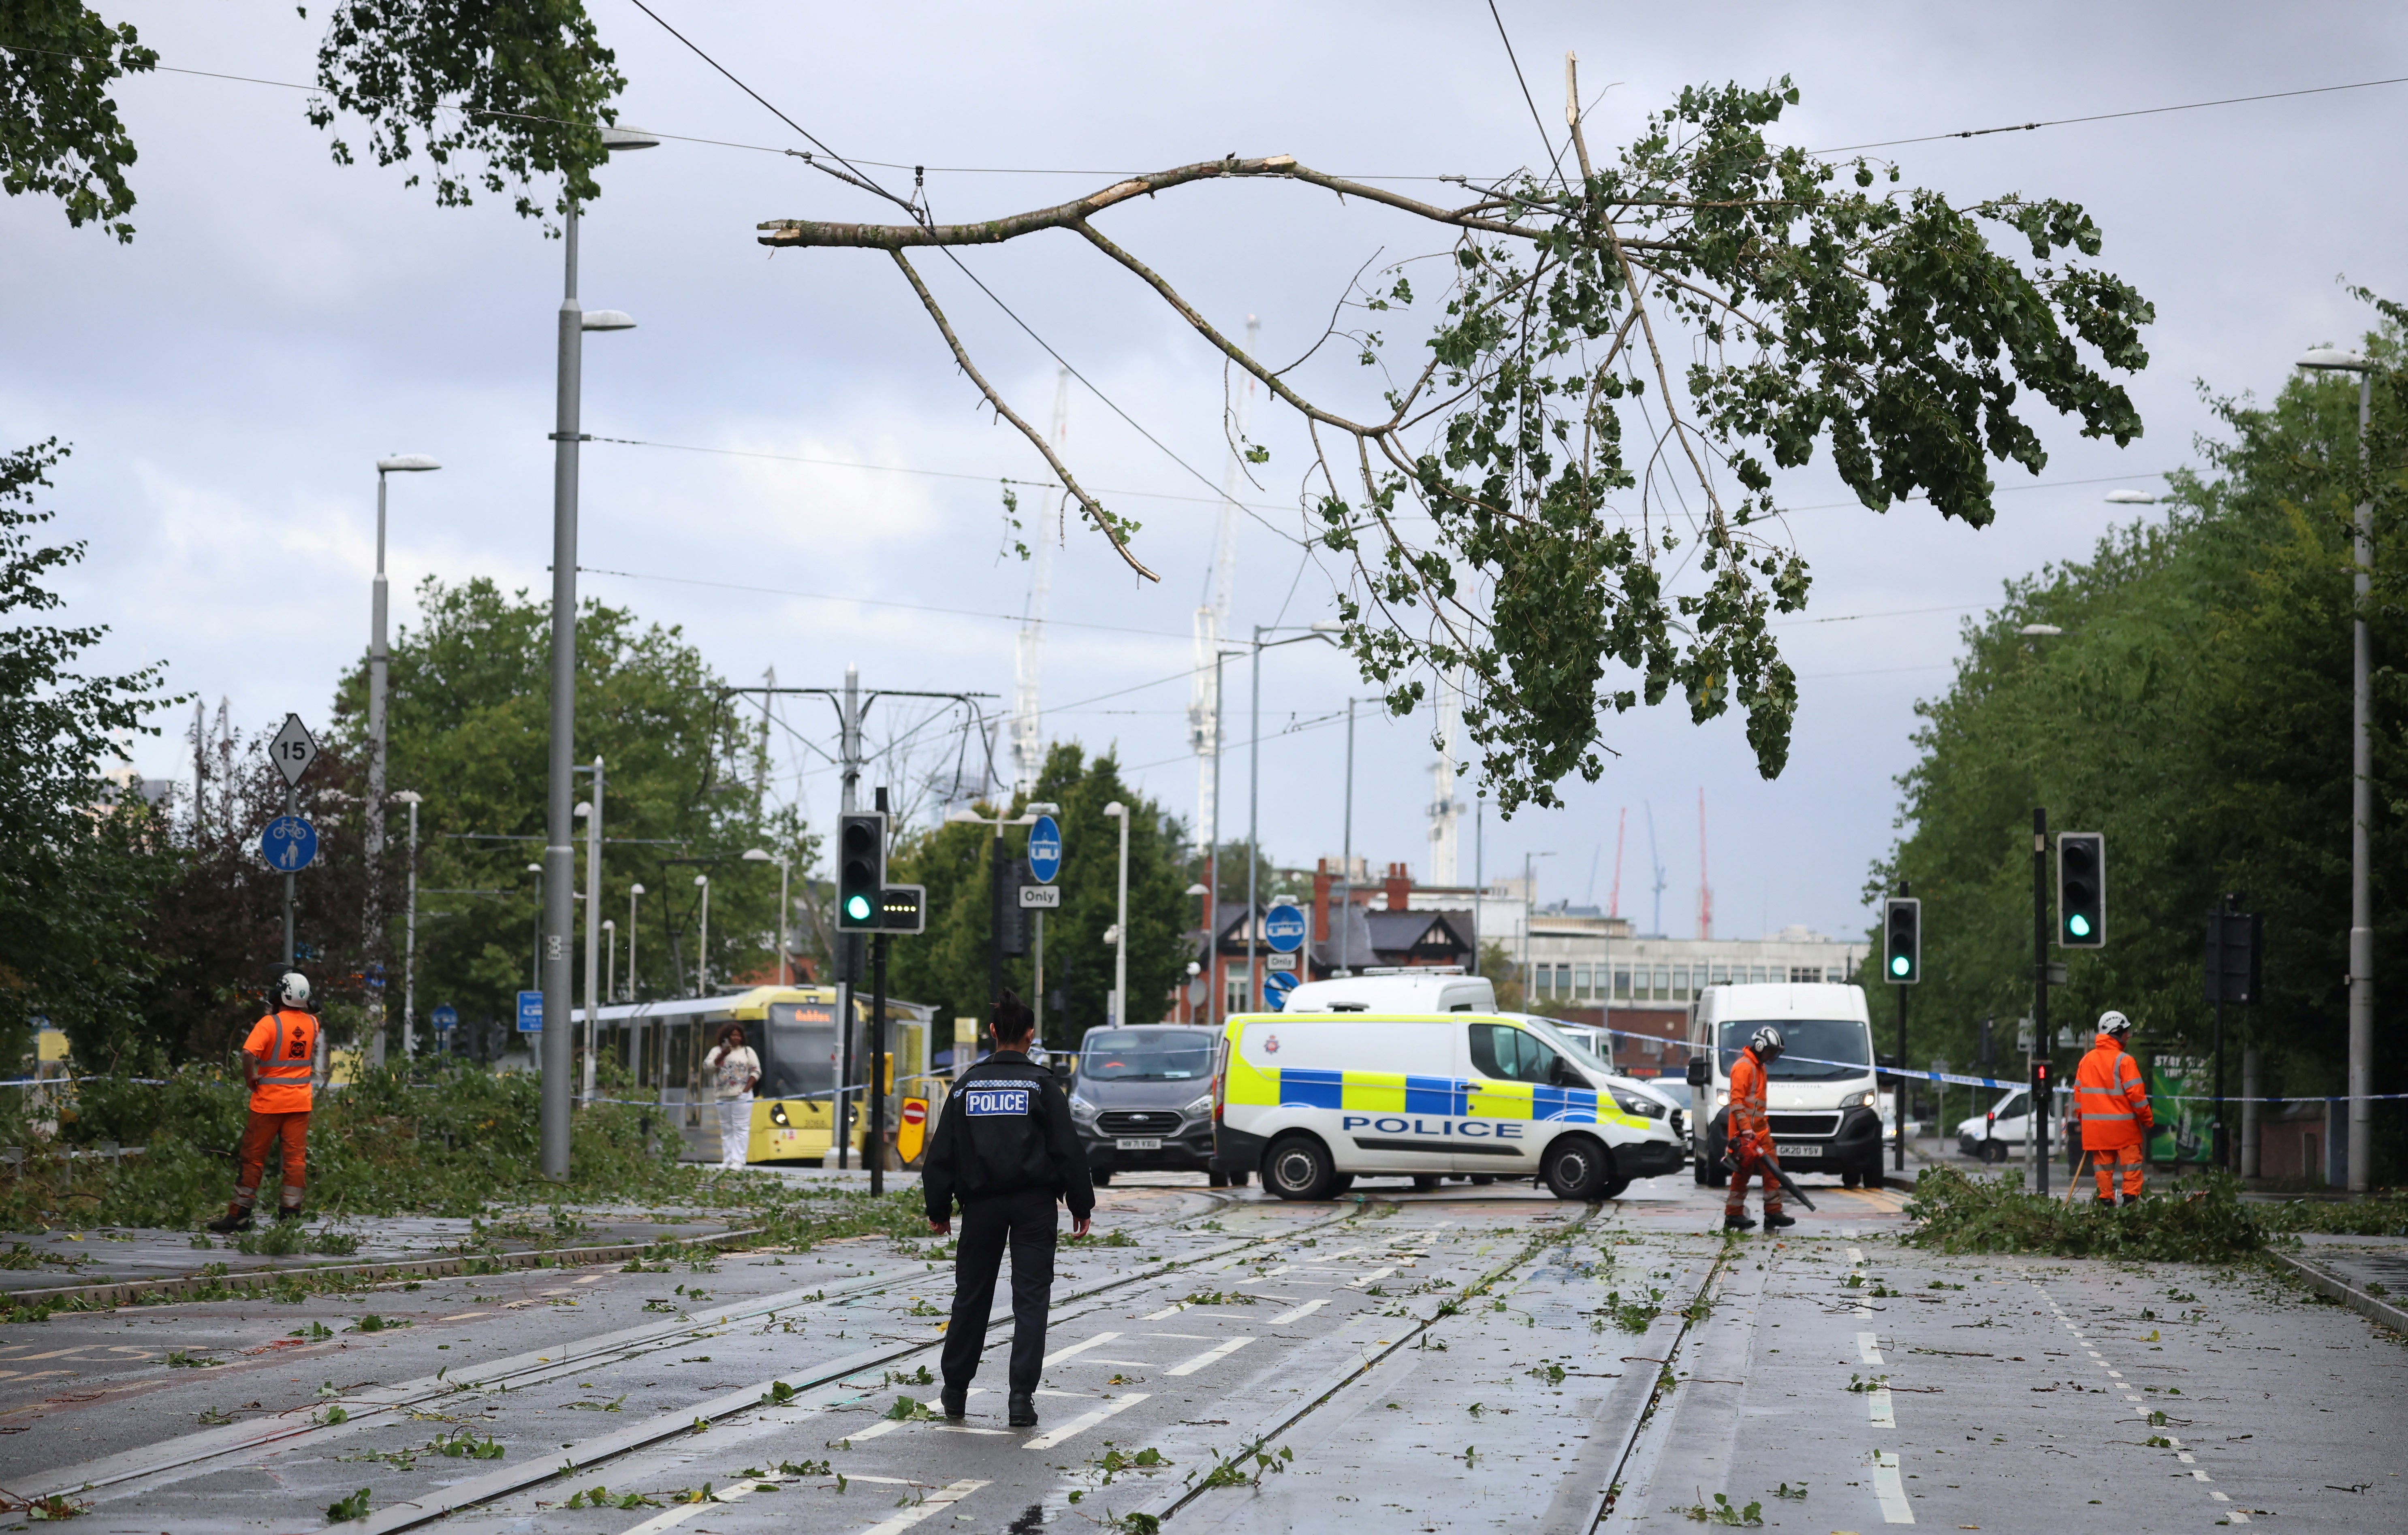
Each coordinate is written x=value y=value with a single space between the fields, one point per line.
x=1312 y=1102
x=1821 y=1096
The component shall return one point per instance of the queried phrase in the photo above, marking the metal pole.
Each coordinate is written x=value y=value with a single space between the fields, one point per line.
x=1037 y=975
x=1346 y=858
x=875 y=1152
x=2040 y=1089
x=558 y=854
x=702 y=944
x=635 y=892
x=409 y=947
x=593 y=927
x=1253 y=807
x=1899 y=1160
x=289 y=804
x=1120 y=947
x=2361 y=817
x=379 y=662
x=1212 y=977
x=849 y=778
x=786 y=970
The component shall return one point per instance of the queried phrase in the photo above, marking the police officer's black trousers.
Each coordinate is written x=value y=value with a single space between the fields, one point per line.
x=1025 y=1219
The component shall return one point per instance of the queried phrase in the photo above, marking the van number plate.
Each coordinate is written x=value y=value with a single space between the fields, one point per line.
x=1146 y=1143
x=1810 y=1153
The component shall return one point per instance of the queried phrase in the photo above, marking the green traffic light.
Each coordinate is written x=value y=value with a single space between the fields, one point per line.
x=857 y=907
x=1900 y=965
x=2078 y=925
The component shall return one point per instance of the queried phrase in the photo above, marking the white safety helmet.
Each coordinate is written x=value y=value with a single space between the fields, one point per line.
x=2112 y=1022
x=293 y=990
x=1767 y=1042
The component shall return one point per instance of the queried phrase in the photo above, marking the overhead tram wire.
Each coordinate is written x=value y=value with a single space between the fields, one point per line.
x=2110 y=117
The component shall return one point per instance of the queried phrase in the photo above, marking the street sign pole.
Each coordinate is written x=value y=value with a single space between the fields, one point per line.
x=875 y=1153
x=2036 y=1066
x=292 y=749
x=291 y=807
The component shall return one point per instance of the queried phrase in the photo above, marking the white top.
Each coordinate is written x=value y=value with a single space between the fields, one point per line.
x=733 y=1069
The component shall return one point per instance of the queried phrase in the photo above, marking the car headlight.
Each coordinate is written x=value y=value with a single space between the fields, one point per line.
x=1080 y=1108
x=1722 y=1099
x=1200 y=1108
x=1631 y=1102
x=1864 y=1100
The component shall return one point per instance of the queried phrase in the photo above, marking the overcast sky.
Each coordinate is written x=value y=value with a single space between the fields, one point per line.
x=228 y=379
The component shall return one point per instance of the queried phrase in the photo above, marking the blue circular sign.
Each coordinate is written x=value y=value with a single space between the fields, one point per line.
x=1283 y=927
x=288 y=844
x=446 y=1017
x=1276 y=986
x=1045 y=850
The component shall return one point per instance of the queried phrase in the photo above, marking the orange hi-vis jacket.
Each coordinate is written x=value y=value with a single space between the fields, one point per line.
x=1747 y=1101
x=285 y=1043
x=2111 y=1098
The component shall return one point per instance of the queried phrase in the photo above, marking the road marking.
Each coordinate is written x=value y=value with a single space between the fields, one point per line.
x=1059 y=1354
x=462 y=1316
x=1172 y=1310
x=1125 y=1364
x=1883 y=1415
x=1299 y=1313
x=1372 y=1278
x=1886 y=1487
x=1869 y=1347
x=1856 y=1254
x=1185 y=1337
x=884 y=1426
x=2199 y=1477
x=944 y=1496
x=1081 y=1424
x=1211 y=1356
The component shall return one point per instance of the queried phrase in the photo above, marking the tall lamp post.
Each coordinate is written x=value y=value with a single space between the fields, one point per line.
x=755 y=855
x=380 y=660
x=2361 y=796
x=635 y=893
x=1320 y=629
x=702 y=944
x=1119 y=812
x=411 y=798
x=535 y=960
x=575 y=320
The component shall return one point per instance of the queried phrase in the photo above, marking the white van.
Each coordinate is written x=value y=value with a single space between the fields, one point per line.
x=1427 y=988
x=1314 y=1101
x=1820 y=1094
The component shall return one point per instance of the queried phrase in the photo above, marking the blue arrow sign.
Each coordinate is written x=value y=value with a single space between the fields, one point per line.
x=1283 y=927
x=288 y=842
x=1276 y=986
x=443 y=1017
x=1045 y=850
x=530 y=1012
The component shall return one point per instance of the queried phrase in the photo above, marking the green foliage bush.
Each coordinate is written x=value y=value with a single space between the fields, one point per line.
x=2197 y=1221
x=2383 y=1213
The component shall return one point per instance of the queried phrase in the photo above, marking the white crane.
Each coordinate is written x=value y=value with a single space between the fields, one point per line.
x=1446 y=811
x=1212 y=622
x=1028 y=713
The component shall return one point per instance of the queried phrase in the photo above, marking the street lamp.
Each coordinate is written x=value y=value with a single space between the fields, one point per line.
x=379 y=662
x=702 y=944
x=633 y=891
x=2361 y=796
x=1205 y=922
x=1119 y=812
x=610 y=957
x=556 y=917
x=1320 y=629
x=411 y=798
x=755 y=855
x=534 y=963
x=1529 y=907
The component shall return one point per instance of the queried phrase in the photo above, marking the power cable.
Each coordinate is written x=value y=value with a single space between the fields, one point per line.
x=2109 y=117
x=878 y=602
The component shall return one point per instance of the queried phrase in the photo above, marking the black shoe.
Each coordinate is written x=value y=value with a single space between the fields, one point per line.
x=1739 y=1223
x=1775 y=1220
x=955 y=1403
x=294 y=1214
x=1023 y=1412
x=231 y=1222
x=2106 y=1204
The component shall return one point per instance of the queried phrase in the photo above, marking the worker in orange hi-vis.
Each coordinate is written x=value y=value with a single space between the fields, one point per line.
x=275 y=1065
x=1748 y=1133
x=2114 y=1103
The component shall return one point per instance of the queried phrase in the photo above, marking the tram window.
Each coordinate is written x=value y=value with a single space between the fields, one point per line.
x=801 y=1057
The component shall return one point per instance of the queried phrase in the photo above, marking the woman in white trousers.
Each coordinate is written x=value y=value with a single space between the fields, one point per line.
x=735 y=1071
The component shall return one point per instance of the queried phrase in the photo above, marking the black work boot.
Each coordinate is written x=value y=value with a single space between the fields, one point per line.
x=1775 y=1220
x=236 y=1218
x=955 y=1399
x=1739 y=1223
x=290 y=1211
x=1023 y=1412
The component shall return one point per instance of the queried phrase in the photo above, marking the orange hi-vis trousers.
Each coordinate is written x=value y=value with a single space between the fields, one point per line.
x=2103 y=1160
x=261 y=1132
x=1735 y=1201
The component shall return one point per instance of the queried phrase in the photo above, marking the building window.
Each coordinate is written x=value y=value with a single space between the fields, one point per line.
x=1236 y=1001
x=1580 y=981
x=1805 y=975
x=1756 y=975
x=1681 y=982
x=1722 y=974
x=1564 y=983
x=1663 y=983
x=1622 y=983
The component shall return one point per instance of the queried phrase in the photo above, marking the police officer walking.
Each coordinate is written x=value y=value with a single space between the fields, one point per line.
x=1005 y=1148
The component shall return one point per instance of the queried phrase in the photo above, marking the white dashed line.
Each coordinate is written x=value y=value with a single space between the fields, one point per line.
x=1882 y=1415
x=1890 y=1489
x=1299 y=1313
x=1059 y=1354
x=1211 y=1356
x=1081 y=1424
x=1869 y=1347
x=944 y=1496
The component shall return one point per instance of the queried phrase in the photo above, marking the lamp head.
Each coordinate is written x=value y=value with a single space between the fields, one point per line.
x=755 y=855
x=2334 y=359
x=1043 y=807
x=1116 y=810
x=635 y=889
x=403 y=463
x=606 y=319
x=616 y=138
x=701 y=880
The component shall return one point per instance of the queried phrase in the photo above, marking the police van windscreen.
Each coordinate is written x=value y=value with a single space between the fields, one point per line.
x=1813 y=1050
x=1146 y=1055
x=802 y=1057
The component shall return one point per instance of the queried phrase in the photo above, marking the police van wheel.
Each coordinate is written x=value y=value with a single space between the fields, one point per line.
x=1577 y=1168
x=1102 y=1176
x=1300 y=1168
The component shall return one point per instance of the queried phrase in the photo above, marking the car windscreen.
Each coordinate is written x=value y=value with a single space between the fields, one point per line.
x=1814 y=1049
x=1146 y=1055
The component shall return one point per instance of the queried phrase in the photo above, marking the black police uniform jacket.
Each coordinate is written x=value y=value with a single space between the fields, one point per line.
x=1005 y=1129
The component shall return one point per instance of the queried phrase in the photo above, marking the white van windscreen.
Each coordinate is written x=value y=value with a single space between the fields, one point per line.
x=1813 y=1050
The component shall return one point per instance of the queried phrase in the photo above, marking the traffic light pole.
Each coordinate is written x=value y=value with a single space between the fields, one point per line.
x=1899 y=1161
x=2036 y=1066
x=875 y=1152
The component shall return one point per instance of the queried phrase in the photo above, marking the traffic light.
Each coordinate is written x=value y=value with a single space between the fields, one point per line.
x=2081 y=890
x=903 y=908
x=1903 y=941
x=860 y=869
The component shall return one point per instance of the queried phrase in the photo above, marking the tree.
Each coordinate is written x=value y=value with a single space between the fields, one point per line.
x=948 y=965
x=2195 y=709
x=78 y=864
x=1560 y=460
x=494 y=92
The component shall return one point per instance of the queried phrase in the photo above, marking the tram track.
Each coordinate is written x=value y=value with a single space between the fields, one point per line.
x=1692 y=1315
x=366 y=1410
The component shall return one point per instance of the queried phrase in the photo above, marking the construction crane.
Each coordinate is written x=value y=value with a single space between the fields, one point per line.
x=1212 y=622
x=1027 y=713
x=1613 y=903
x=1656 y=930
x=1446 y=811
x=1705 y=892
